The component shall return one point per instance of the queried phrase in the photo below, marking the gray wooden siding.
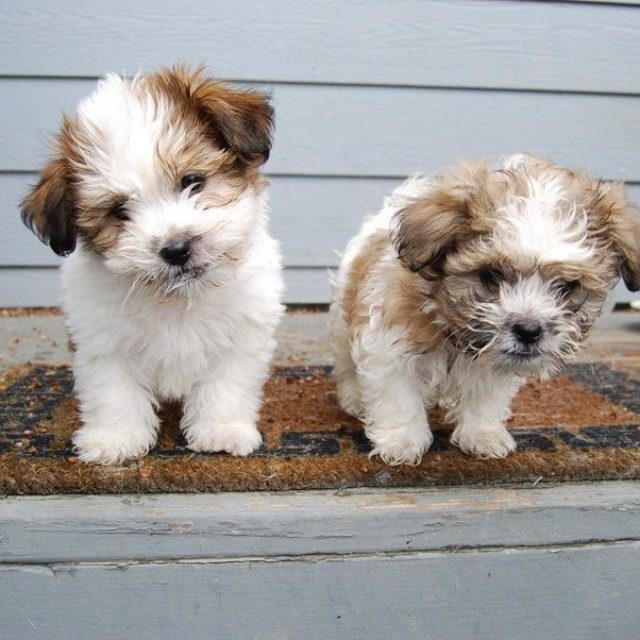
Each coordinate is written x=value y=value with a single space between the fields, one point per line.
x=365 y=92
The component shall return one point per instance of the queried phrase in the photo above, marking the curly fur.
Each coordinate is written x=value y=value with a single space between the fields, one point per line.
x=432 y=295
x=146 y=329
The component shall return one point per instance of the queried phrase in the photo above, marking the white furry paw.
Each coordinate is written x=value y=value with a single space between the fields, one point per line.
x=401 y=445
x=485 y=443
x=112 y=445
x=236 y=438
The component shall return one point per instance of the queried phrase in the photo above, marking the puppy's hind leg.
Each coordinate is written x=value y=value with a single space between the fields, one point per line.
x=344 y=368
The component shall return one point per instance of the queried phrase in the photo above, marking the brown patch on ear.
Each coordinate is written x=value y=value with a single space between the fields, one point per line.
x=427 y=229
x=49 y=209
x=622 y=221
x=431 y=226
x=240 y=120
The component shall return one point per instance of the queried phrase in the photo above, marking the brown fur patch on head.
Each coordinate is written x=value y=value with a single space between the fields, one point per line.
x=431 y=226
x=614 y=222
x=240 y=121
x=98 y=220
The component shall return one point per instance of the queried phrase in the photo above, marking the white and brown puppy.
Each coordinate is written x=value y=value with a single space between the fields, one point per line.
x=172 y=286
x=464 y=284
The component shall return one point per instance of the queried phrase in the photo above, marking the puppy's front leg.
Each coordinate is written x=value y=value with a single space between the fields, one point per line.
x=220 y=413
x=483 y=409
x=395 y=416
x=118 y=413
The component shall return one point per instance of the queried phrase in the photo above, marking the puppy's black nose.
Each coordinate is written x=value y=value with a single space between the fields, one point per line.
x=176 y=253
x=527 y=331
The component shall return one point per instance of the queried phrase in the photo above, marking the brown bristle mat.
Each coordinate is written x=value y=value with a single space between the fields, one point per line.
x=582 y=425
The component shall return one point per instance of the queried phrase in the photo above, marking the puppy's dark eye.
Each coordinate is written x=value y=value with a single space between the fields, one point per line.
x=491 y=277
x=119 y=211
x=567 y=288
x=192 y=181
x=572 y=294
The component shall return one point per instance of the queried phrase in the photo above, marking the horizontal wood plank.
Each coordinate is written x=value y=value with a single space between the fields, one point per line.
x=313 y=217
x=559 y=592
x=231 y=525
x=479 y=43
x=370 y=131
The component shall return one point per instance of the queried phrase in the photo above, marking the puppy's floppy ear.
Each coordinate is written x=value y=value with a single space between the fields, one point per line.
x=241 y=119
x=430 y=226
x=622 y=221
x=49 y=209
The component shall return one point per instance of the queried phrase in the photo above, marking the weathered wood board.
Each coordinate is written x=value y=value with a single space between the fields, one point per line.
x=473 y=43
x=466 y=563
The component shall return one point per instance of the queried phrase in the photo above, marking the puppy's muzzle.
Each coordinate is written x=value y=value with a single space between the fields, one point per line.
x=176 y=253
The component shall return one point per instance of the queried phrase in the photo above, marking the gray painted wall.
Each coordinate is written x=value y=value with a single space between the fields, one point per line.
x=366 y=92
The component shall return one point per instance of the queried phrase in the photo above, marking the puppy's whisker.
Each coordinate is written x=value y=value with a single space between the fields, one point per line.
x=139 y=279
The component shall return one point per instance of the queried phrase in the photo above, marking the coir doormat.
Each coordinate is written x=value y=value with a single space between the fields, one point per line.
x=582 y=425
